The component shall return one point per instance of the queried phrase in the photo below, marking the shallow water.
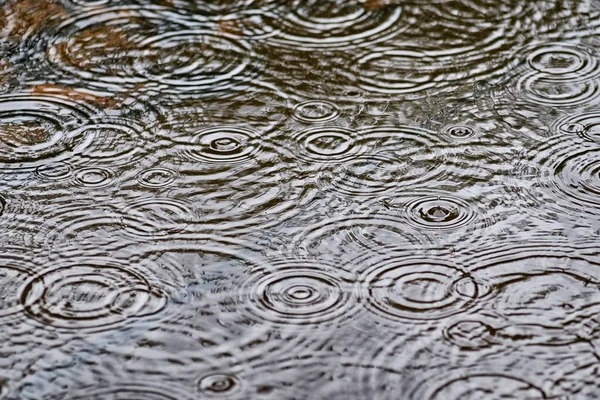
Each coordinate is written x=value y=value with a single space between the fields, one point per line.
x=285 y=199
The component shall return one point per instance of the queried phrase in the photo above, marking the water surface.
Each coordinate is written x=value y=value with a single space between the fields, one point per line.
x=286 y=199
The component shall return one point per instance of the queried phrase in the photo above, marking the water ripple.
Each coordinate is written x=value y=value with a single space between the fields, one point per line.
x=556 y=74
x=92 y=294
x=353 y=234
x=35 y=129
x=302 y=293
x=224 y=144
x=328 y=143
x=552 y=302
x=333 y=24
x=405 y=157
x=157 y=177
x=585 y=125
x=122 y=48
x=154 y=218
x=315 y=111
x=476 y=386
x=571 y=171
x=94 y=177
x=15 y=271
x=417 y=290
x=439 y=212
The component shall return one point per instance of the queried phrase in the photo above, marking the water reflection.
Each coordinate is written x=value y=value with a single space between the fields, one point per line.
x=299 y=199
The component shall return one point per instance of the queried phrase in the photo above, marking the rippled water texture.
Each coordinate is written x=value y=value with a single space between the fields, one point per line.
x=300 y=199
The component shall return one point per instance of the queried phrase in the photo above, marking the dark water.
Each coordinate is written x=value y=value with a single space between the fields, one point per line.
x=284 y=199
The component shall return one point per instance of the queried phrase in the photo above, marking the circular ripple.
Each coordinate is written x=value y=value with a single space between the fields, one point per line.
x=471 y=334
x=487 y=386
x=328 y=143
x=460 y=132
x=394 y=72
x=563 y=61
x=220 y=7
x=353 y=234
x=35 y=129
x=572 y=174
x=224 y=144
x=219 y=386
x=120 y=48
x=94 y=177
x=540 y=89
x=197 y=60
x=302 y=294
x=368 y=175
x=155 y=218
x=419 y=290
x=401 y=157
x=475 y=11
x=315 y=111
x=157 y=177
x=558 y=74
x=439 y=212
x=543 y=299
x=117 y=141
x=14 y=273
x=89 y=296
x=586 y=125
x=332 y=24
x=55 y=171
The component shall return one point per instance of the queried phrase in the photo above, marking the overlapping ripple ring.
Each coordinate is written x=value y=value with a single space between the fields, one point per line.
x=477 y=386
x=36 y=129
x=316 y=111
x=557 y=292
x=315 y=25
x=328 y=143
x=203 y=62
x=409 y=79
x=419 y=290
x=572 y=173
x=412 y=70
x=359 y=232
x=90 y=3
x=302 y=293
x=559 y=74
x=133 y=390
x=585 y=125
x=224 y=144
x=158 y=47
x=540 y=89
x=367 y=175
x=117 y=141
x=443 y=212
x=480 y=11
x=222 y=7
x=471 y=334
x=157 y=177
x=75 y=49
x=155 y=218
x=94 y=294
x=15 y=271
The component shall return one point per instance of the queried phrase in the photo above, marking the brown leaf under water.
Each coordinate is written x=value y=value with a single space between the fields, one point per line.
x=76 y=95
x=376 y=5
x=24 y=17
